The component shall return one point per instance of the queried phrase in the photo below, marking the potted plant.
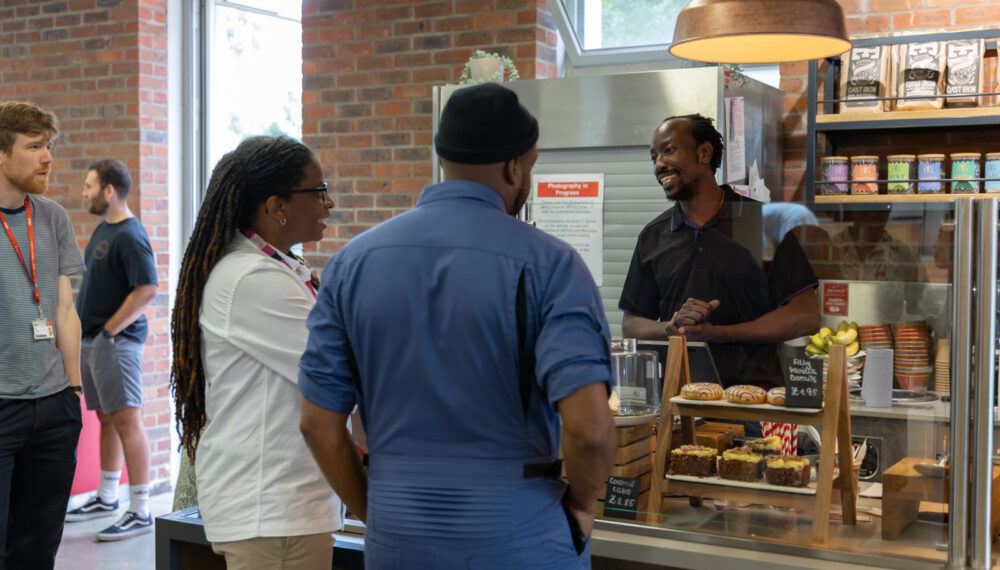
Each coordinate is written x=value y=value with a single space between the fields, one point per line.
x=485 y=67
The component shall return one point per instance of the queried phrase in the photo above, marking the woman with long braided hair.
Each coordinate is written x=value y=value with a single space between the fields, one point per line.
x=239 y=327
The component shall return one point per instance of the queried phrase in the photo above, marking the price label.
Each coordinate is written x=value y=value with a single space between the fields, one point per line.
x=803 y=383
x=621 y=498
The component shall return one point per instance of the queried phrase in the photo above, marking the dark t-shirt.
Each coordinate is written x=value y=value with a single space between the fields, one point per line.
x=118 y=259
x=674 y=260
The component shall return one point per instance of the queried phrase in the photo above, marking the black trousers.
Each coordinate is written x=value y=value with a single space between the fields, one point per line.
x=38 y=440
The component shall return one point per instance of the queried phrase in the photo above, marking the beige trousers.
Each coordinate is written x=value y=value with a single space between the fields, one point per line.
x=307 y=552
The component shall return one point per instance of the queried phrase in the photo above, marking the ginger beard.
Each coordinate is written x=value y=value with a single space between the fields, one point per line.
x=34 y=182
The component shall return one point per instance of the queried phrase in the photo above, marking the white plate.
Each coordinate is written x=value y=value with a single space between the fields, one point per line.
x=623 y=421
x=716 y=480
x=727 y=404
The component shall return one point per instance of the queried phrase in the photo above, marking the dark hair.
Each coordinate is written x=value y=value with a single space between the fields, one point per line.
x=21 y=117
x=260 y=167
x=703 y=130
x=115 y=173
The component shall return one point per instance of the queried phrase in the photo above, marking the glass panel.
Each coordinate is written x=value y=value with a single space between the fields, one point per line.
x=885 y=276
x=256 y=83
x=602 y=24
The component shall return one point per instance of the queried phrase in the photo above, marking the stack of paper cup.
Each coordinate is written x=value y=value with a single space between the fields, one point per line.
x=876 y=385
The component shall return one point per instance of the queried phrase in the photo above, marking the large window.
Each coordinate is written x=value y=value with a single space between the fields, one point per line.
x=601 y=24
x=255 y=81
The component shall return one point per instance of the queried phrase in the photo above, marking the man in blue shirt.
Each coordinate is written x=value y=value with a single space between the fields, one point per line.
x=464 y=335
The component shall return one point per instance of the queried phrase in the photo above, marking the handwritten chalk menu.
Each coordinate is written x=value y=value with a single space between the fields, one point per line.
x=803 y=382
x=622 y=498
x=571 y=207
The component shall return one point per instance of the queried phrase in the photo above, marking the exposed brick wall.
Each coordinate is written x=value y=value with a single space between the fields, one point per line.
x=875 y=18
x=368 y=69
x=100 y=65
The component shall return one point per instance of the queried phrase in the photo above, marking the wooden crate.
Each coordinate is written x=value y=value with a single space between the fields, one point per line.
x=718 y=435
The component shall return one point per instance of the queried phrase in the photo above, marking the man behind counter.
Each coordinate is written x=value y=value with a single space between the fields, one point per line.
x=690 y=277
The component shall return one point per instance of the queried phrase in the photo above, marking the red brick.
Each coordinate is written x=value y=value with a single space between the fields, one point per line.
x=922 y=19
x=893 y=5
x=355 y=17
x=458 y=23
x=496 y=20
x=977 y=15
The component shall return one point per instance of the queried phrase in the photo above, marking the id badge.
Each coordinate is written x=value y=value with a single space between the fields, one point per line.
x=43 y=329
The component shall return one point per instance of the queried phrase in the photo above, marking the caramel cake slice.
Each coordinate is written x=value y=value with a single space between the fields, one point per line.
x=766 y=445
x=694 y=460
x=741 y=464
x=787 y=470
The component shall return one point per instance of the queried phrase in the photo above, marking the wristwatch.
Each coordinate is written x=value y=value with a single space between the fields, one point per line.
x=78 y=389
x=106 y=334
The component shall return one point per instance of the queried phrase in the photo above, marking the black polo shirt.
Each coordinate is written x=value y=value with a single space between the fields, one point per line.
x=675 y=259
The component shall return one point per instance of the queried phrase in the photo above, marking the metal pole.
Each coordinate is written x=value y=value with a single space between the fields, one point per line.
x=984 y=382
x=961 y=340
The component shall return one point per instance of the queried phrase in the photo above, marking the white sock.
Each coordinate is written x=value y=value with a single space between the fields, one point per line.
x=140 y=500
x=108 y=489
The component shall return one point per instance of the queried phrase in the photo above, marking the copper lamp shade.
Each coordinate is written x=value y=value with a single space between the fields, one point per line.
x=760 y=31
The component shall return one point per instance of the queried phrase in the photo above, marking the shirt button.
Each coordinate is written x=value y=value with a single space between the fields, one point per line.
x=701 y=248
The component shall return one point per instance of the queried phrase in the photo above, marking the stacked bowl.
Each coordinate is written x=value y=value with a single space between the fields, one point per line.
x=875 y=336
x=911 y=355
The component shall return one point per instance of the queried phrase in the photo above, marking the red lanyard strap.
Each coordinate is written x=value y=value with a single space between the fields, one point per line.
x=33 y=272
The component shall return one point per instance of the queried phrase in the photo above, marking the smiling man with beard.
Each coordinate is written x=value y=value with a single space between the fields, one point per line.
x=691 y=276
x=39 y=344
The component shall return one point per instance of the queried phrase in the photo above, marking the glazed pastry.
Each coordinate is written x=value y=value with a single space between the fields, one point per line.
x=701 y=391
x=746 y=394
x=776 y=396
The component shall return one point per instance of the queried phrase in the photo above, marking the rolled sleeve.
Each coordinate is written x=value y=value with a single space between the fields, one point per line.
x=324 y=372
x=573 y=346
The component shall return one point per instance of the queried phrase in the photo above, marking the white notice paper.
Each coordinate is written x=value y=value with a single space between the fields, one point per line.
x=736 y=161
x=571 y=207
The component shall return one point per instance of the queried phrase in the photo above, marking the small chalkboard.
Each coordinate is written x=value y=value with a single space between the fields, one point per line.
x=622 y=498
x=803 y=382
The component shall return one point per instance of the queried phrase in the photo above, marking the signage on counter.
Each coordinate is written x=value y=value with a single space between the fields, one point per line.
x=803 y=382
x=571 y=207
x=621 y=498
x=835 y=299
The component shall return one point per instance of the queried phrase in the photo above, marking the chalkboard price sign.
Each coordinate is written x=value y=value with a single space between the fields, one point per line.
x=622 y=498
x=803 y=383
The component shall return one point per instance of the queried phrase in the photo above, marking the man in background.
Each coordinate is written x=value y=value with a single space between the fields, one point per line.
x=39 y=344
x=119 y=283
x=464 y=335
x=690 y=274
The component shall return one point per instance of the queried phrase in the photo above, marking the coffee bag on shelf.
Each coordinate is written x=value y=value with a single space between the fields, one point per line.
x=865 y=73
x=964 y=73
x=920 y=76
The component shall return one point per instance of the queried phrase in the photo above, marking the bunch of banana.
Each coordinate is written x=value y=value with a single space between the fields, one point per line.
x=846 y=333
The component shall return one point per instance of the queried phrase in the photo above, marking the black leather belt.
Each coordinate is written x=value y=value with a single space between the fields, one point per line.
x=552 y=469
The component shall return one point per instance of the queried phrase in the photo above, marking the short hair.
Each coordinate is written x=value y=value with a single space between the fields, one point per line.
x=703 y=130
x=23 y=118
x=115 y=173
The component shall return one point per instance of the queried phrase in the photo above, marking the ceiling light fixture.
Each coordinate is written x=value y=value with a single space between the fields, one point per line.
x=760 y=31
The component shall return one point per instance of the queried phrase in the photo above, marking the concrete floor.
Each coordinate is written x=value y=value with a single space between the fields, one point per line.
x=79 y=549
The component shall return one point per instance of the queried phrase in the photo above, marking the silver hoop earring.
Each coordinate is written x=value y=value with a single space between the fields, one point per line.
x=283 y=221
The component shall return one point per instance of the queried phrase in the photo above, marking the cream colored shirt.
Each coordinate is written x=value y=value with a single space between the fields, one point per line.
x=256 y=478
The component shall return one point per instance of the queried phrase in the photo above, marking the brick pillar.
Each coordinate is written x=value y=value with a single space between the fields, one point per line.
x=100 y=66
x=368 y=69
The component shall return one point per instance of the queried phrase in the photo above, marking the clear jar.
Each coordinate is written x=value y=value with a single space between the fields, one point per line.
x=964 y=166
x=902 y=167
x=929 y=168
x=864 y=173
x=834 y=169
x=992 y=170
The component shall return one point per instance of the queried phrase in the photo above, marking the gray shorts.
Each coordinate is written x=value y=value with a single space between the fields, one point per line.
x=111 y=374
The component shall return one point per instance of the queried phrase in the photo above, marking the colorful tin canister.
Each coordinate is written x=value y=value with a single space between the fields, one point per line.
x=864 y=173
x=992 y=170
x=901 y=167
x=833 y=169
x=929 y=168
x=964 y=168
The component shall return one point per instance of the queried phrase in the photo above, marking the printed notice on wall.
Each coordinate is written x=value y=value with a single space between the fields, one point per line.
x=571 y=207
x=736 y=146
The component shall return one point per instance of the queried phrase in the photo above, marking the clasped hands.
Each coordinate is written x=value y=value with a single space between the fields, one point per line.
x=691 y=320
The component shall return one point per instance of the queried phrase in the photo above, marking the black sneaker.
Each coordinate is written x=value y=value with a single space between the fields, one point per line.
x=92 y=509
x=128 y=526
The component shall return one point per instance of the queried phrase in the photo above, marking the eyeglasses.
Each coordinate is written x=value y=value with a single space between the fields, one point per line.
x=324 y=196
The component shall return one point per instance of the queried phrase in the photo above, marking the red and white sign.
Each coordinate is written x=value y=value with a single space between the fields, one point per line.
x=571 y=207
x=569 y=190
x=835 y=299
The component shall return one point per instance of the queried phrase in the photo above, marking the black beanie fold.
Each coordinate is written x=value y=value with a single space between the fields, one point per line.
x=484 y=124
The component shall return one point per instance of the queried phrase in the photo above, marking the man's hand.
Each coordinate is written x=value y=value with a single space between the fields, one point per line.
x=692 y=312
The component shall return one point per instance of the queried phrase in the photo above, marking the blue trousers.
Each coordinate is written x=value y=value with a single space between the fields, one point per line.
x=38 y=440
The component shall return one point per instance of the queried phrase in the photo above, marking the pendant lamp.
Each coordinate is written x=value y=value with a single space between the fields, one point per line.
x=760 y=31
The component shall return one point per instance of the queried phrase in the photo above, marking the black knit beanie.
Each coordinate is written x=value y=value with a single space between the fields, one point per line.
x=484 y=124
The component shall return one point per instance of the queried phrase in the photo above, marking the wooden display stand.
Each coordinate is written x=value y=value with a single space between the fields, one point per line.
x=835 y=418
x=633 y=460
x=903 y=489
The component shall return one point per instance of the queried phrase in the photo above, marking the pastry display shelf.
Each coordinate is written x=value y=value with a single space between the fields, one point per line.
x=834 y=418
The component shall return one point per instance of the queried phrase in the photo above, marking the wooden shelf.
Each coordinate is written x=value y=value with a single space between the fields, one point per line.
x=891 y=116
x=906 y=198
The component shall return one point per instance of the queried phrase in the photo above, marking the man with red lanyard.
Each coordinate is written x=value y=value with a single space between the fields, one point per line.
x=39 y=344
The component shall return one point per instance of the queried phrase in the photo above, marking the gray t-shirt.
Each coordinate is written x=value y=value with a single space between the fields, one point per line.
x=32 y=368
